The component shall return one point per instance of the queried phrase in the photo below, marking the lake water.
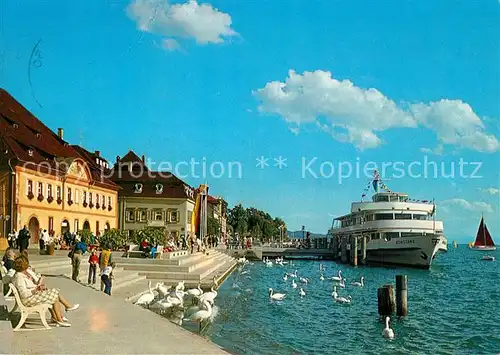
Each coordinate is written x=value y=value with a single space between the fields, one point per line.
x=454 y=308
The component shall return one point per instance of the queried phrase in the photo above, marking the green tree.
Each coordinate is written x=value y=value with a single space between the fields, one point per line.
x=85 y=235
x=154 y=235
x=213 y=226
x=113 y=239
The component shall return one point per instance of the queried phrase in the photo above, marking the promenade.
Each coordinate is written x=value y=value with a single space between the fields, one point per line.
x=103 y=325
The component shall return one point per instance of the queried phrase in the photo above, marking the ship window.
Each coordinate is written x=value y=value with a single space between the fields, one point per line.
x=391 y=235
x=394 y=198
x=421 y=217
x=403 y=198
x=383 y=198
x=383 y=216
x=410 y=235
x=375 y=236
x=403 y=216
x=369 y=218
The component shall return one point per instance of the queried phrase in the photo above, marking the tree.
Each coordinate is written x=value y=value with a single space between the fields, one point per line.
x=213 y=226
x=85 y=235
x=154 y=235
x=113 y=239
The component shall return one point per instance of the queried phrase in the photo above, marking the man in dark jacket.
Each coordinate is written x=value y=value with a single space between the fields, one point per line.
x=24 y=239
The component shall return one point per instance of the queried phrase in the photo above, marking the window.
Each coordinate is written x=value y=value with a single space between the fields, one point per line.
x=159 y=188
x=84 y=197
x=69 y=194
x=77 y=225
x=382 y=198
x=129 y=215
x=109 y=201
x=58 y=192
x=51 y=224
x=410 y=235
x=369 y=218
x=40 y=189
x=141 y=215
x=390 y=235
x=49 y=190
x=174 y=216
x=90 y=197
x=138 y=188
x=29 y=187
x=403 y=215
x=158 y=215
x=421 y=217
x=383 y=216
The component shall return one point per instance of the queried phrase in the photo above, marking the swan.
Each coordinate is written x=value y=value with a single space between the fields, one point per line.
x=269 y=263
x=208 y=295
x=322 y=278
x=341 y=283
x=276 y=296
x=304 y=280
x=146 y=298
x=202 y=315
x=195 y=291
x=285 y=278
x=294 y=285
x=177 y=300
x=388 y=332
x=162 y=305
x=302 y=292
x=359 y=284
x=343 y=299
x=337 y=278
x=162 y=289
x=180 y=286
x=334 y=293
x=294 y=274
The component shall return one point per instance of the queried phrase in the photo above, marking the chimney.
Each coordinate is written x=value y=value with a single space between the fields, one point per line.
x=143 y=159
x=98 y=153
x=60 y=133
x=117 y=158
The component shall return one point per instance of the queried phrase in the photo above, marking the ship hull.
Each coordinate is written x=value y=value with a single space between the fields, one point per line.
x=483 y=248
x=417 y=252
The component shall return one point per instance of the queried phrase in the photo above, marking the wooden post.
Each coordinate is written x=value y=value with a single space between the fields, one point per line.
x=401 y=295
x=386 y=304
x=363 y=250
x=335 y=248
x=343 y=249
x=354 y=251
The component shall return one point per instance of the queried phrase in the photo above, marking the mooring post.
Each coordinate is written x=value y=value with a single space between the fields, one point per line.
x=335 y=248
x=386 y=304
x=343 y=249
x=354 y=251
x=402 y=295
x=363 y=250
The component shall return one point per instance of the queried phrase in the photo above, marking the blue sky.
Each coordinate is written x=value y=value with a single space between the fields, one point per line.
x=231 y=81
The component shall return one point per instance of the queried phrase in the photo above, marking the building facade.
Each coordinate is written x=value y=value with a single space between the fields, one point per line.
x=152 y=199
x=45 y=183
x=217 y=208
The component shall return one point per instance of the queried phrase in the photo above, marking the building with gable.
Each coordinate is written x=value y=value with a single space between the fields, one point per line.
x=45 y=183
x=151 y=198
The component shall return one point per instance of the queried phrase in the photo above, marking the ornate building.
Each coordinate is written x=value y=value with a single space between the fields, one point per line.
x=47 y=183
x=152 y=199
x=217 y=208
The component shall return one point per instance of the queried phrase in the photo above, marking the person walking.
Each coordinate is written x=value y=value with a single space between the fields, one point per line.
x=78 y=250
x=44 y=237
x=107 y=277
x=93 y=262
x=105 y=259
x=24 y=239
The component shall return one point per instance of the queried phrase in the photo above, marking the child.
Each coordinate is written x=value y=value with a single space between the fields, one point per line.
x=106 y=277
x=93 y=261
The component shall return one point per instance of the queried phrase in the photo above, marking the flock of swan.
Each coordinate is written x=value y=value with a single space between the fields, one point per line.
x=170 y=302
x=338 y=282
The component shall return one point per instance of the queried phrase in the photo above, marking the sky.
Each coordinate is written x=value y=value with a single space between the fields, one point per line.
x=290 y=105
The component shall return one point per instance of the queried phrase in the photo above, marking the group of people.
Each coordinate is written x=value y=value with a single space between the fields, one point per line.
x=32 y=289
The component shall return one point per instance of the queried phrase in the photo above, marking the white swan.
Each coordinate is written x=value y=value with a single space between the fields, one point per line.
x=146 y=298
x=359 y=284
x=388 y=332
x=276 y=296
x=302 y=293
x=294 y=285
x=334 y=293
x=304 y=280
x=162 y=289
x=208 y=295
x=285 y=277
x=269 y=263
x=162 y=305
x=180 y=286
x=202 y=315
x=294 y=274
x=322 y=278
x=343 y=299
x=341 y=284
x=195 y=291
x=177 y=300
x=337 y=278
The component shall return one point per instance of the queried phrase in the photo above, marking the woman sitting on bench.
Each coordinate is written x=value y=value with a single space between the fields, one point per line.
x=32 y=292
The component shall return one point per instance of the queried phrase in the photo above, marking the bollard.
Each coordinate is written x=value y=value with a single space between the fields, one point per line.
x=386 y=304
x=354 y=251
x=402 y=295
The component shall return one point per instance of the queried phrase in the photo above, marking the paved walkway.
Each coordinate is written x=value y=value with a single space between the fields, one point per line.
x=104 y=325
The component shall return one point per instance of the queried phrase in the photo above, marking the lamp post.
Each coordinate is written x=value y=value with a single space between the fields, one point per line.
x=281 y=232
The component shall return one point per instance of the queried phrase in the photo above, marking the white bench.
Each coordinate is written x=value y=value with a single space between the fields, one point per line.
x=41 y=309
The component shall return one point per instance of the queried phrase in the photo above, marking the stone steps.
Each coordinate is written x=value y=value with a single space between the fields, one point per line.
x=191 y=258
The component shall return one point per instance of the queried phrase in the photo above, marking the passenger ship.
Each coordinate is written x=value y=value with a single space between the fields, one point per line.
x=399 y=230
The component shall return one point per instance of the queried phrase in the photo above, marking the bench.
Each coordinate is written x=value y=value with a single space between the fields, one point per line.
x=134 y=250
x=5 y=283
x=41 y=309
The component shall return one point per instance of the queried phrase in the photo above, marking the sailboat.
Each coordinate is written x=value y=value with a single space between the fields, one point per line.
x=483 y=238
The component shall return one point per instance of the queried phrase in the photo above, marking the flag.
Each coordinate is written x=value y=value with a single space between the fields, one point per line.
x=376 y=175
x=363 y=195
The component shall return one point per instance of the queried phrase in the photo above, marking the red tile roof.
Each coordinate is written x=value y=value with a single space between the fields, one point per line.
x=27 y=139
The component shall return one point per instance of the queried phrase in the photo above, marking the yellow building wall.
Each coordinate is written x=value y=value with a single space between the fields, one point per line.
x=4 y=208
x=42 y=210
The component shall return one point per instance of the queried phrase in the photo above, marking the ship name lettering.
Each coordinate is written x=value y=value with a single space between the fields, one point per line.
x=405 y=241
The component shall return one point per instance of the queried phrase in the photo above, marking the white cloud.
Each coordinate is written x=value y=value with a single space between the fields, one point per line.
x=436 y=151
x=347 y=112
x=354 y=115
x=455 y=123
x=170 y=44
x=201 y=22
x=490 y=190
x=460 y=203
